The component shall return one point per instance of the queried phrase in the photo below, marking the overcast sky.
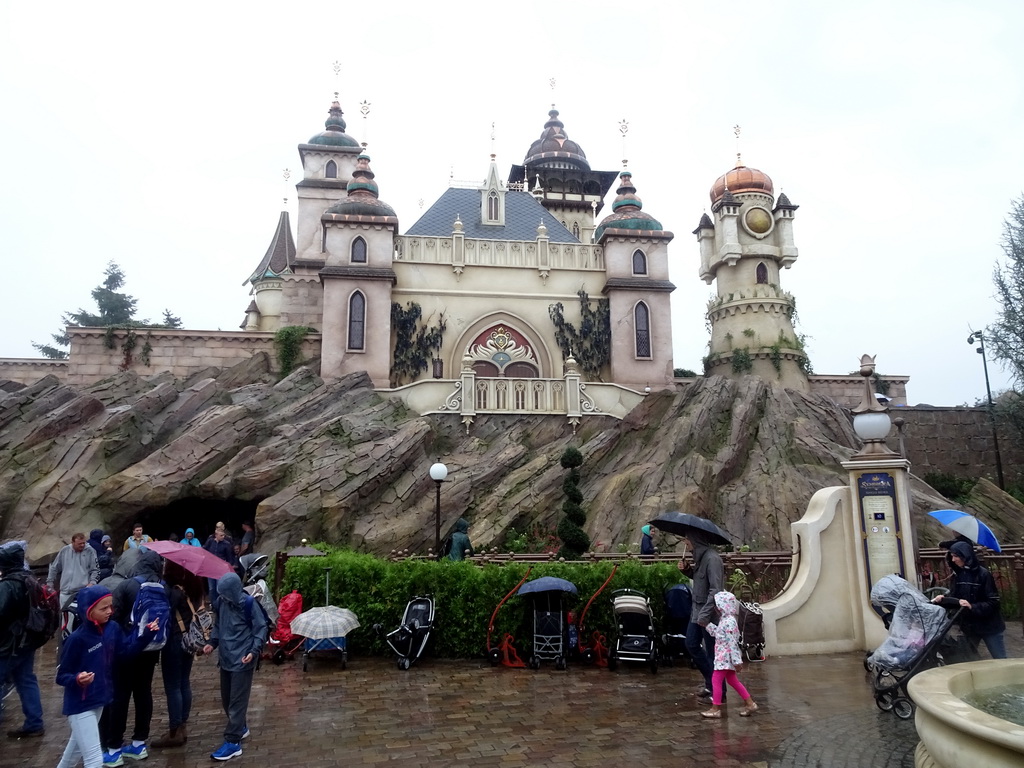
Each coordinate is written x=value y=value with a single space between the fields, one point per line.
x=156 y=135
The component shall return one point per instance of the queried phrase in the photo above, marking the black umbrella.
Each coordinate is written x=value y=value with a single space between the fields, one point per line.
x=547 y=584
x=683 y=524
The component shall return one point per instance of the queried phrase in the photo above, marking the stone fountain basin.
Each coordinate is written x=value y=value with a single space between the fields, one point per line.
x=953 y=733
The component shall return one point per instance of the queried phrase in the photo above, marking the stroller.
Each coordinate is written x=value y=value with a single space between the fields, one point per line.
x=919 y=638
x=636 y=639
x=550 y=630
x=410 y=639
x=678 y=602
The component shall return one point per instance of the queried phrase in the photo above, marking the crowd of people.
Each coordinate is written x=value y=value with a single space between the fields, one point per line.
x=109 y=661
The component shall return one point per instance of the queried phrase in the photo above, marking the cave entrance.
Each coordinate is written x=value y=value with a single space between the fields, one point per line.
x=200 y=514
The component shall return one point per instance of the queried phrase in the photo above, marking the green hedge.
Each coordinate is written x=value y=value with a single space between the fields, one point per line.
x=465 y=595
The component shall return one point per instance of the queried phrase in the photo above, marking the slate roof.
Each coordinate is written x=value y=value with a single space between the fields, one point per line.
x=522 y=216
x=281 y=253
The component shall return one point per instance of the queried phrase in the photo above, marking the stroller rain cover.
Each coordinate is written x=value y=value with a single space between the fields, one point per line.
x=915 y=622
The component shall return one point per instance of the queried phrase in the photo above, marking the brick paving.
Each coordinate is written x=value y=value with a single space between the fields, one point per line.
x=815 y=711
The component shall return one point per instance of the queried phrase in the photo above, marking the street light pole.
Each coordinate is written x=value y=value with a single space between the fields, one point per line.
x=980 y=337
x=438 y=472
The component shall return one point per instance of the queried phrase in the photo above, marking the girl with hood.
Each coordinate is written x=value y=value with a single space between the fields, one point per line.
x=85 y=672
x=728 y=657
x=974 y=589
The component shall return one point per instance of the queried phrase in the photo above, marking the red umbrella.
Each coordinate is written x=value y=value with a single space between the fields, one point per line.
x=193 y=559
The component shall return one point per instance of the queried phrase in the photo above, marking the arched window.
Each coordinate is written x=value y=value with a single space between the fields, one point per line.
x=762 y=274
x=492 y=206
x=359 y=251
x=331 y=170
x=357 y=321
x=520 y=370
x=642 y=321
x=639 y=263
x=576 y=230
x=485 y=369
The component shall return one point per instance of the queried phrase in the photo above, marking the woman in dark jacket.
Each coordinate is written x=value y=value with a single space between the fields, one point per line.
x=183 y=592
x=974 y=590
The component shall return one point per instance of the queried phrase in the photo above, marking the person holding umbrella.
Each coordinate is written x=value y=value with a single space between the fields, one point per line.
x=974 y=590
x=708 y=578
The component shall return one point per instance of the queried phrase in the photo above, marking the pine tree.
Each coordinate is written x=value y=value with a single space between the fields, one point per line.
x=113 y=309
x=1005 y=336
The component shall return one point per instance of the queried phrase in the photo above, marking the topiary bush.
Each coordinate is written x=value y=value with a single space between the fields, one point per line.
x=570 y=528
x=465 y=596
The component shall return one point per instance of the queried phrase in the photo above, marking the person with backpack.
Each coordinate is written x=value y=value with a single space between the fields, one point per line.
x=239 y=633
x=17 y=659
x=85 y=672
x=184 y=593
x=104 y=553
x=137 y=601
x=460 y=547
x=75 y=566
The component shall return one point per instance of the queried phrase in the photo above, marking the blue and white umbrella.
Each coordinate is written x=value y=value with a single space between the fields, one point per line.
x=968 y=525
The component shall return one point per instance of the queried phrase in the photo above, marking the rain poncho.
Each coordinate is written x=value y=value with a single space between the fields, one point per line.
x=915 y=622
x=461 y=548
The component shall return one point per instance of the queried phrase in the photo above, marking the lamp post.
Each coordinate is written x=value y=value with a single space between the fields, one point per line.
x=438 y=472
x=871 y=419
x=980 y=338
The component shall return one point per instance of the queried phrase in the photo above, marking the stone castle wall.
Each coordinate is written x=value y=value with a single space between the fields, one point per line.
x=848 y=390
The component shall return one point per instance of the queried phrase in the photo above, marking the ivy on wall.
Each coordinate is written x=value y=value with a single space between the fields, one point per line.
x=416 y=343
x=288 y=344
x=591 y=344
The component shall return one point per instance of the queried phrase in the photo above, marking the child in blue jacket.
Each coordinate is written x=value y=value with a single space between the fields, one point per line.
x=85 y=672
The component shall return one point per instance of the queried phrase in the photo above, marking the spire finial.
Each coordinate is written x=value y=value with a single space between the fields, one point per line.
x=336 y=66
x=493 y=154
x=364 y=108
x=286 y=174
x=624 y=129
x=736 y=132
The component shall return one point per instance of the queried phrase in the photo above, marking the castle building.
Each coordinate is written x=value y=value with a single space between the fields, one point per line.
x=743 y=250
x=480 y=274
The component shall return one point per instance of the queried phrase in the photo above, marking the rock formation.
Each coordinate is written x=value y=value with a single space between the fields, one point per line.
x=337 y=461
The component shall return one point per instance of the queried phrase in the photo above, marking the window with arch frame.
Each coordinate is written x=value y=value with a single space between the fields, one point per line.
x=358 y=252
x=639 y=262
x=357 y=322
x=642 y=327
x=762 y=274
x=331 y=170
x=492 y=206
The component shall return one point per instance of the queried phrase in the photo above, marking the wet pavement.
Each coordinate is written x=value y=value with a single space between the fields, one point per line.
x=814 y=711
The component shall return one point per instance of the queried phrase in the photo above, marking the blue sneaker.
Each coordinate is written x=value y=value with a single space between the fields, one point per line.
x=227 y=751
x=135 y=753
x=245 y=733
x=112 y=759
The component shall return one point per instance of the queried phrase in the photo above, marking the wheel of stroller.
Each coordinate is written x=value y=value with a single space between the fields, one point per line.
x=588 y=656
x=305 y=661
x=904 y=708
x=613 y=662
x=653 y=664
x=404 y=663
x=559 y=663
x=534 y=662
x=279 y=657
x=344 y=659
x=495 y=656
x=884 y=700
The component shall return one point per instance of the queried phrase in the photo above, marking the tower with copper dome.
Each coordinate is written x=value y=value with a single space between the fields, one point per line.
x=743 y=250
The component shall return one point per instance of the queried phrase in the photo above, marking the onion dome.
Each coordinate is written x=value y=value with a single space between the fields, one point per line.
x=362 y=197
x=741 y=179
x=626 y=210
x=554 y=149
x=334 y=134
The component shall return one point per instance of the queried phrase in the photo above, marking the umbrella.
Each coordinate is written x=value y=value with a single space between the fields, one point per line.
x=193 y=559
x=324 y=622
x=305 y=551
x=547 y=584
x=683 y=524
x=968 y=525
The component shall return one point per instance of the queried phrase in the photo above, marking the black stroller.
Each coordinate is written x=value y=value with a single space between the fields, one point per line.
x=550 y=629
x=636 y=639
x=678 y=602
x=919 y=638
x=410 y=639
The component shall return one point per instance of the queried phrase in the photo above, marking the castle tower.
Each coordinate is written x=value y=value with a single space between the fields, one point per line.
x=743 y=250
x=264 y=312
x=638 y=289
x=328 y=160
x=357 y=278
x=557 y=171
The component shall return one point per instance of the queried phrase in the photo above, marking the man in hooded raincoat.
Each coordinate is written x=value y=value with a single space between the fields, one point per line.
x=461 y=546
x=239 y=634
x=974 y=589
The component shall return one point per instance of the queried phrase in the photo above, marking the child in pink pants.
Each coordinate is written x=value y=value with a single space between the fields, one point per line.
x=728 y=657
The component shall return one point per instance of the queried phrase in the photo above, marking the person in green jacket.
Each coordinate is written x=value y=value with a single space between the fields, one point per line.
x=461 y=547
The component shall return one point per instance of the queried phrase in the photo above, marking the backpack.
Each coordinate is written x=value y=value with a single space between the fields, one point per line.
x=197 y=635
x=151 y=603
x=43 y=618
x=258 y=614
x=751 y=623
